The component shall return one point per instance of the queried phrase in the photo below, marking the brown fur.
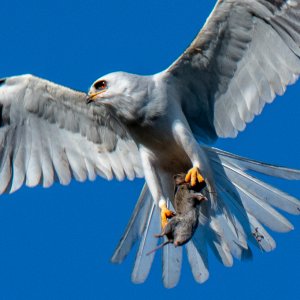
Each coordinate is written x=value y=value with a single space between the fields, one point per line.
x=182 y=226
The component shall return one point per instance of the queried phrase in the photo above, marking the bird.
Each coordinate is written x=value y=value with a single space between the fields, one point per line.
x=155 y=126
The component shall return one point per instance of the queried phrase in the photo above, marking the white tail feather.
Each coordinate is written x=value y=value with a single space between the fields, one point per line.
x=198 y=267
x=171 y=262
x=135 y=227
x=143 y=262
x=243 y=202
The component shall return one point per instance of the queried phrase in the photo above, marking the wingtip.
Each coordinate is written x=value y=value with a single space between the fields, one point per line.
x=116 y=260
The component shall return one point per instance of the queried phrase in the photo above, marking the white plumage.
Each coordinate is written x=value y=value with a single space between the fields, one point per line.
x=156 y=126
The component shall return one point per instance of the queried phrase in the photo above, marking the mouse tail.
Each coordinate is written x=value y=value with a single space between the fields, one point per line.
x=159 y=247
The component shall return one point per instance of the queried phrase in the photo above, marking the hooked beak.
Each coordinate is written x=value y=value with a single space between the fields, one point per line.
x=91 y=96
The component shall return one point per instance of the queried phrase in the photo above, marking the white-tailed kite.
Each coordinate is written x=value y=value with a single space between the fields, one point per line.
x=157 y=126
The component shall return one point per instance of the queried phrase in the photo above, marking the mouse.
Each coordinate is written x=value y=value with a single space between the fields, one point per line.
x=184 y=221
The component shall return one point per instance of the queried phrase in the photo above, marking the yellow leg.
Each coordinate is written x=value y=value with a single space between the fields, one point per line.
x=193 y=176
x=165 y=213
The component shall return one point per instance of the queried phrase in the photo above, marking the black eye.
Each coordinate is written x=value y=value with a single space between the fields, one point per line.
x=100 y=85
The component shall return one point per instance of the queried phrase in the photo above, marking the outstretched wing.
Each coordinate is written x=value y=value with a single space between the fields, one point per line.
x=48 y=133
x=246 y=54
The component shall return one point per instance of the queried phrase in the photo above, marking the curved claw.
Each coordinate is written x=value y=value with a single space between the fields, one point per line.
x=165 y=213
x=193 y=176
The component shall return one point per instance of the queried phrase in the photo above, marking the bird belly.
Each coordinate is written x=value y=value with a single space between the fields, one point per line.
x=166 y=154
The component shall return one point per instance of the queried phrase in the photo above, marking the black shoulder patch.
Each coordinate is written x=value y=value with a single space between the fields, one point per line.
x=2 y=81
x=278 y=3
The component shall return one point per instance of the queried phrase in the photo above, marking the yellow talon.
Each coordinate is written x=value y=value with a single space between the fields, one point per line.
x=165 y=213
x=193 y=176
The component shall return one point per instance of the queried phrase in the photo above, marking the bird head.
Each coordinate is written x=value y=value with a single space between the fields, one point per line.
x=125 y=93
x=110 y=87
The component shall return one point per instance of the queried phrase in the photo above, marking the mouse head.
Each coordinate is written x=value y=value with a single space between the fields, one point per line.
x=180 y=230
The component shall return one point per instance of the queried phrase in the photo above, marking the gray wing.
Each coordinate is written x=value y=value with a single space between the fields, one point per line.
x=48 y=133
x=245 y=55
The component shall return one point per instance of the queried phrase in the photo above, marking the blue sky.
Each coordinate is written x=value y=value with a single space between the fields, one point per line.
x=56 y=243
